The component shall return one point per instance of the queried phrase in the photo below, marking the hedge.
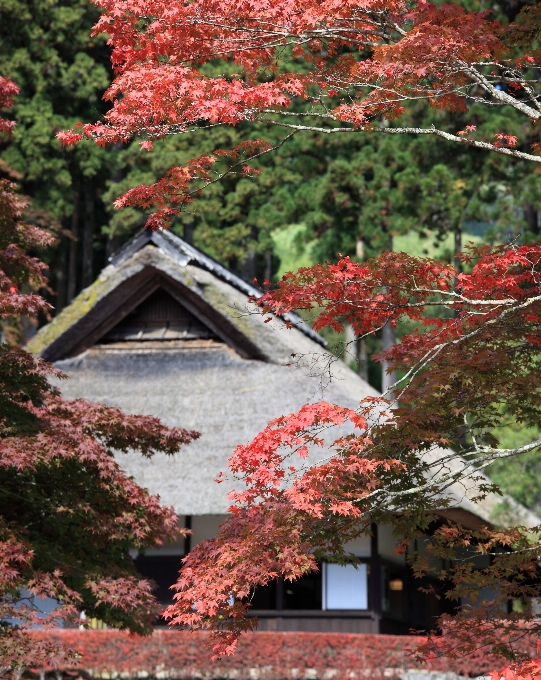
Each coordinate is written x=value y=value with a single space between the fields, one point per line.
x=183 y=655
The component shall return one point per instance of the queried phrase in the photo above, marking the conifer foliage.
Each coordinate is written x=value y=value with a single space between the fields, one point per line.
x=68 y=514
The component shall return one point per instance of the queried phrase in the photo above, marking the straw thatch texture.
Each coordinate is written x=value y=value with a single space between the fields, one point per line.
x=211 y=389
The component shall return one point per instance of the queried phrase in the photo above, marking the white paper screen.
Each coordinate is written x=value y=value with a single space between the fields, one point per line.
x=346 y=587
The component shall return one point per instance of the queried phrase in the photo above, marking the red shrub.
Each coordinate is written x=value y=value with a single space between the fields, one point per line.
x=178 y=655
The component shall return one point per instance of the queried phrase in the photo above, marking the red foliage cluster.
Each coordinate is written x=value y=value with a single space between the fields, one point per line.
x=389 y=467
x=183 y=655
x=362 y=62
x=503 y=282
x=273 y=530
x=8 y=90
x=68 y=513
x=176 y=189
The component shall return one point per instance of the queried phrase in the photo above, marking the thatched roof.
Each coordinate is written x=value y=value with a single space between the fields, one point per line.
x=227 y=382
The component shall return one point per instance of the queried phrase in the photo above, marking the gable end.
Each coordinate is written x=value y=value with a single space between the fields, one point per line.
x=115 y=308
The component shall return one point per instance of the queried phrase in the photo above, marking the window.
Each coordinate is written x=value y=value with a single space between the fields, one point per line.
x=264 y=597
x=302 y=594
x=345 y=587
x=159 y=317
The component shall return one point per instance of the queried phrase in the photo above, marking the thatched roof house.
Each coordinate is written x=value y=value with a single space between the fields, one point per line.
x=166 y=330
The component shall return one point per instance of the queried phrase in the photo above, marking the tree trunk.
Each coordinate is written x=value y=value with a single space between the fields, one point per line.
x=531 y=215
x=73 y=250
x=114 y=241
x=388 y=340
x=360 y=345
x=268 y=264
x=458 y=247
x=461 y=434
x=187 y=234
x=350 y=343
x=248 y=269
x=61 y=284
x=88 y=234
x=362 y=360
x=111 y=246
x=249 y=266
x=356 y=348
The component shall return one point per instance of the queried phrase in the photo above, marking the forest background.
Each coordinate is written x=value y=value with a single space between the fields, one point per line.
x=316 y=197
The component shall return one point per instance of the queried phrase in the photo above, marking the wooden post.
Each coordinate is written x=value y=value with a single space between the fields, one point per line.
x=187 y=539
x=375 y=576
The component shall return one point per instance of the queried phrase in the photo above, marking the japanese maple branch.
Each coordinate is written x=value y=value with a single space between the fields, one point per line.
x=500 y=95
x=435 y=350
x=492 y=454
x=487 y=146
x=444 y=480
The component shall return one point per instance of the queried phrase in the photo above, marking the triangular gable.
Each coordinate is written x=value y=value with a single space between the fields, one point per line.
x=123 y=300
x=205 y=300
x=185 y=253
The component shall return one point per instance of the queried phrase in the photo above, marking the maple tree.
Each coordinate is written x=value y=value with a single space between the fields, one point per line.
x=68 y=514
x=357 y=67
x=62 y=72
x=470 y=363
